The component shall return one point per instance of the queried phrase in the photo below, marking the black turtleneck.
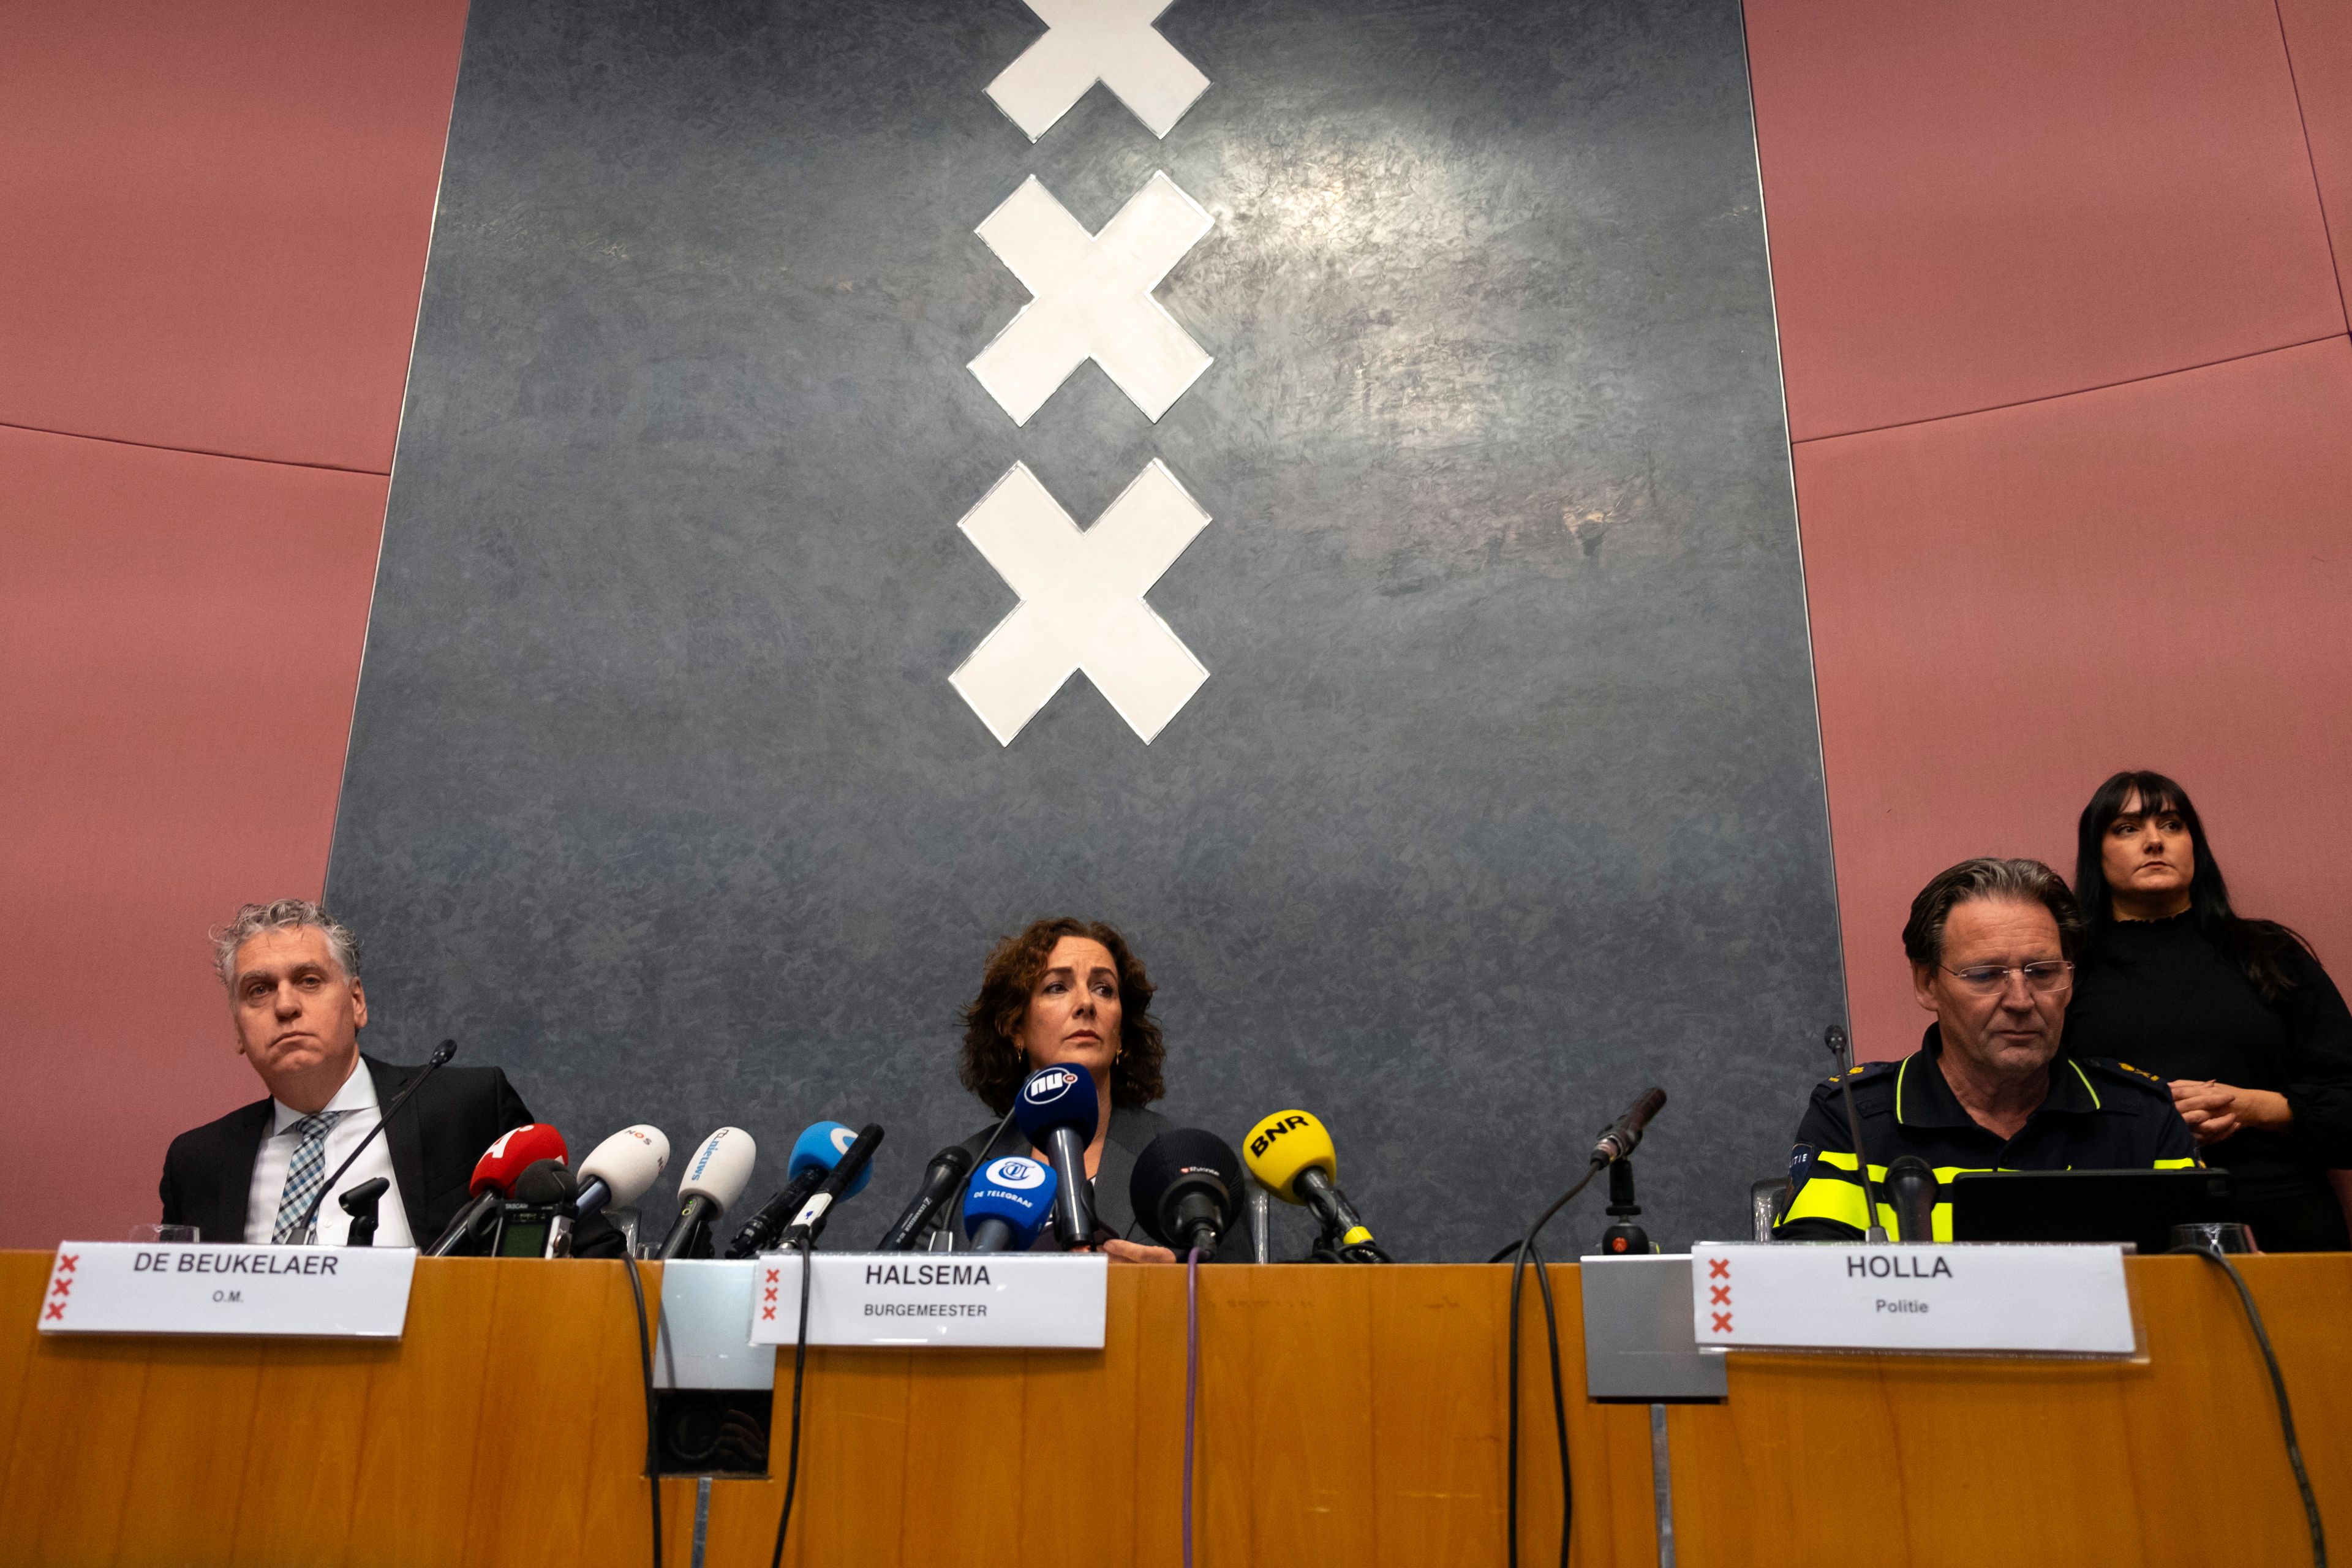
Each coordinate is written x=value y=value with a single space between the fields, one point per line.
x=2161 y=996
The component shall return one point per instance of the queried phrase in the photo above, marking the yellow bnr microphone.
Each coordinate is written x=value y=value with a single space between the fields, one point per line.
x=1291 y=1155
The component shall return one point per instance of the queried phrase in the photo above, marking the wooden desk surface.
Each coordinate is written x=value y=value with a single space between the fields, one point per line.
x=1347 y=1416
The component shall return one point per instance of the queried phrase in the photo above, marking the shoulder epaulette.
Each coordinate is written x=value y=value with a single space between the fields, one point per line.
x=2139 y=1078
x=1861 y=1075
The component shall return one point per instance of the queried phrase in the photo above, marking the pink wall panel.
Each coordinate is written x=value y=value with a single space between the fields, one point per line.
x=2008 y=606
x=179 y=637
x=1974 y=202
x=214 y=218
x=2319 y=42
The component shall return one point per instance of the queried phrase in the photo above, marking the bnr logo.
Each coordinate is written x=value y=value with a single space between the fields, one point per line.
x=841 y=1139
x=1048 y=1085
x=1017 y=1172
x=1264 y=1141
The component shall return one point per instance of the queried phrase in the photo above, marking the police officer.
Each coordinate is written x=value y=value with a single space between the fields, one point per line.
x=1992 y=944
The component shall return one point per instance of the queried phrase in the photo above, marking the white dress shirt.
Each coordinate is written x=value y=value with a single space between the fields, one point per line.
x=357 y=1095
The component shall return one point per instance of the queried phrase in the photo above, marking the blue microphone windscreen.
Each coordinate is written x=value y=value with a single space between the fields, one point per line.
x=821 y=1147
x=1017 y=1189
x=1056 y=1097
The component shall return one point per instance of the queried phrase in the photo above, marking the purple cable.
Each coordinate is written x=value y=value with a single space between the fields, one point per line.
x=1192 y=1382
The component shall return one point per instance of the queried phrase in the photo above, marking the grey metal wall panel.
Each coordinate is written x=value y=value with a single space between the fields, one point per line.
x=1503 y=799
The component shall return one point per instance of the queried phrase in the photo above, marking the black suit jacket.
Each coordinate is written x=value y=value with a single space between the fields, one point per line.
x=434 y=1142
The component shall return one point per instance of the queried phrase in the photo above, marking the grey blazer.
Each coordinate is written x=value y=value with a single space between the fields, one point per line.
x=1132 y=1129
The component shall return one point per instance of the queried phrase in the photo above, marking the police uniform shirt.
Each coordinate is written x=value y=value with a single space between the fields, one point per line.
x=2100 y=1115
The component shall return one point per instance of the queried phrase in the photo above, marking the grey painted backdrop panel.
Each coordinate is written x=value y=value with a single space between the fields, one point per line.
x=1504 y=798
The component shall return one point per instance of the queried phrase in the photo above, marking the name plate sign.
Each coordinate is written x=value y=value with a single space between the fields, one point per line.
x=1967 y=1299
x=1045 y=1300
x=312 y=1293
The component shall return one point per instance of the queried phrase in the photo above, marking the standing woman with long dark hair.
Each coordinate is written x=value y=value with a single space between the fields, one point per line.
x=2237 y=1014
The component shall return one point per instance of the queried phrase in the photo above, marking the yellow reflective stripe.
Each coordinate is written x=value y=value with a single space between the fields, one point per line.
x=1898 y=1086
x=2087 y=1082
x=1832 y=1157
x=2190 y=1163
x=1829 y=1197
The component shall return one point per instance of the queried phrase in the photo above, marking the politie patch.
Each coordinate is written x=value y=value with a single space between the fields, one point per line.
x=1800 y=1165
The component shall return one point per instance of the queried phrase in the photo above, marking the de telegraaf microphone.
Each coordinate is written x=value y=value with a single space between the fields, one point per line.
x=948 y=1167
x=1009 y=1201
x=495 y=1173
x=440 y=1058
x=714 y=1182
x=856 y=1167
x=1619 y=1138
x=1186 y=1190
x=1291 y=1155
x=817 y=1151
x=1057 y=1110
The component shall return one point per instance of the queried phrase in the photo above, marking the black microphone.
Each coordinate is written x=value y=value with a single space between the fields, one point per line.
x=1620 y=1138
x=854 y=1160
x=441 y=1054
x=1186 y=1190
x=1911 y=1183
x=950 y=1166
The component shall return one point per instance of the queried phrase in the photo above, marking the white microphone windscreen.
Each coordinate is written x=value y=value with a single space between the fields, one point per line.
x=628 y=1162
x=720 y=1169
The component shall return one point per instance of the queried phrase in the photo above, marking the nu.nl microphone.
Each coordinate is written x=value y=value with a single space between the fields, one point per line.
x=1291 y=1155
x=1186 y=1189
x=948 y=1167
x=817 y=1151
x=1057 y=1110
x=853 y=1172
x=714 y=1181
x=506 y=1158
x=1009 y=1204
x=1620 y=1137
x=1911 y=1183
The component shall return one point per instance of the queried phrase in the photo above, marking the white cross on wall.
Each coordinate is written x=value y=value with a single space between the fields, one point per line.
x=1110 y=41
x=1081 y=603
x=1093 y=297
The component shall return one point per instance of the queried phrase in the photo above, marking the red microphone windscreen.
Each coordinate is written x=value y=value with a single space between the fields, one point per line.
x=508 y=1157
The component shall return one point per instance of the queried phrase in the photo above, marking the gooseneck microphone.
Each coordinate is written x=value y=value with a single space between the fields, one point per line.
x=440 y=1057
x=817 y=1150
x=714 y=1182
x=1833 y=1039
x=854 y=1168
x=948 y=1167
x=1057 y=1110
x=1187 y=1189
x=1009 y=1204
x=1621 y=1136
x=510 y=1155
x=1291 y=1155
x=1911 y=1183
x=361 y=1203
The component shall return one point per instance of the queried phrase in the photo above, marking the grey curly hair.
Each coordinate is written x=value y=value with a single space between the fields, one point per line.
x=285 y=914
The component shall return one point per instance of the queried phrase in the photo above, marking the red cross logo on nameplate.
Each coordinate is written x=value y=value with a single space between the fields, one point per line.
x=1719 y=1295
x=57 y=1310
x=1718 y=1268
x=1722 y=1322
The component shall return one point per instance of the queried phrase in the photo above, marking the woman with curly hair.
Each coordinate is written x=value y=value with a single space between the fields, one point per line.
x=1070 y=992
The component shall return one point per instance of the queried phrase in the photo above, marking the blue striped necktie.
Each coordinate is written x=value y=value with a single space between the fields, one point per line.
x=304 y=1175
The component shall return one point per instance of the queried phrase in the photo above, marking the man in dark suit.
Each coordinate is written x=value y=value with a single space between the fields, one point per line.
x=292 y=973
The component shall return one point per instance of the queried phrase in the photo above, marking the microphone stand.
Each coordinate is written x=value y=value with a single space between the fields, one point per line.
x=441 y=1054
x=1874 y=1234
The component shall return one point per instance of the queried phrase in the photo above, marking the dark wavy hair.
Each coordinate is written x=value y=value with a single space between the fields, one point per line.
x=2025 y=881
x=2264 y=952
x=992 y=1065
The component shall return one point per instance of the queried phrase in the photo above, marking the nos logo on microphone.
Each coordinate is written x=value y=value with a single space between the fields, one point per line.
x=841 y=1139
x=1048 y=1085
x=1016 y=1173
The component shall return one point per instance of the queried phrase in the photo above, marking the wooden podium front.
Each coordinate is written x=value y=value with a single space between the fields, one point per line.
x=1348 y=1416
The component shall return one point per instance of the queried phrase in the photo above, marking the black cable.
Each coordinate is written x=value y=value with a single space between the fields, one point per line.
x=1559 y=1403
x=800 y=1365
x=645 y=1367
x=1519 y=1271
x=2278 y=1390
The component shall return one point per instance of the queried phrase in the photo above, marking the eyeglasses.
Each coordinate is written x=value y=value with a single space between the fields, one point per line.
x=1988 y=979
